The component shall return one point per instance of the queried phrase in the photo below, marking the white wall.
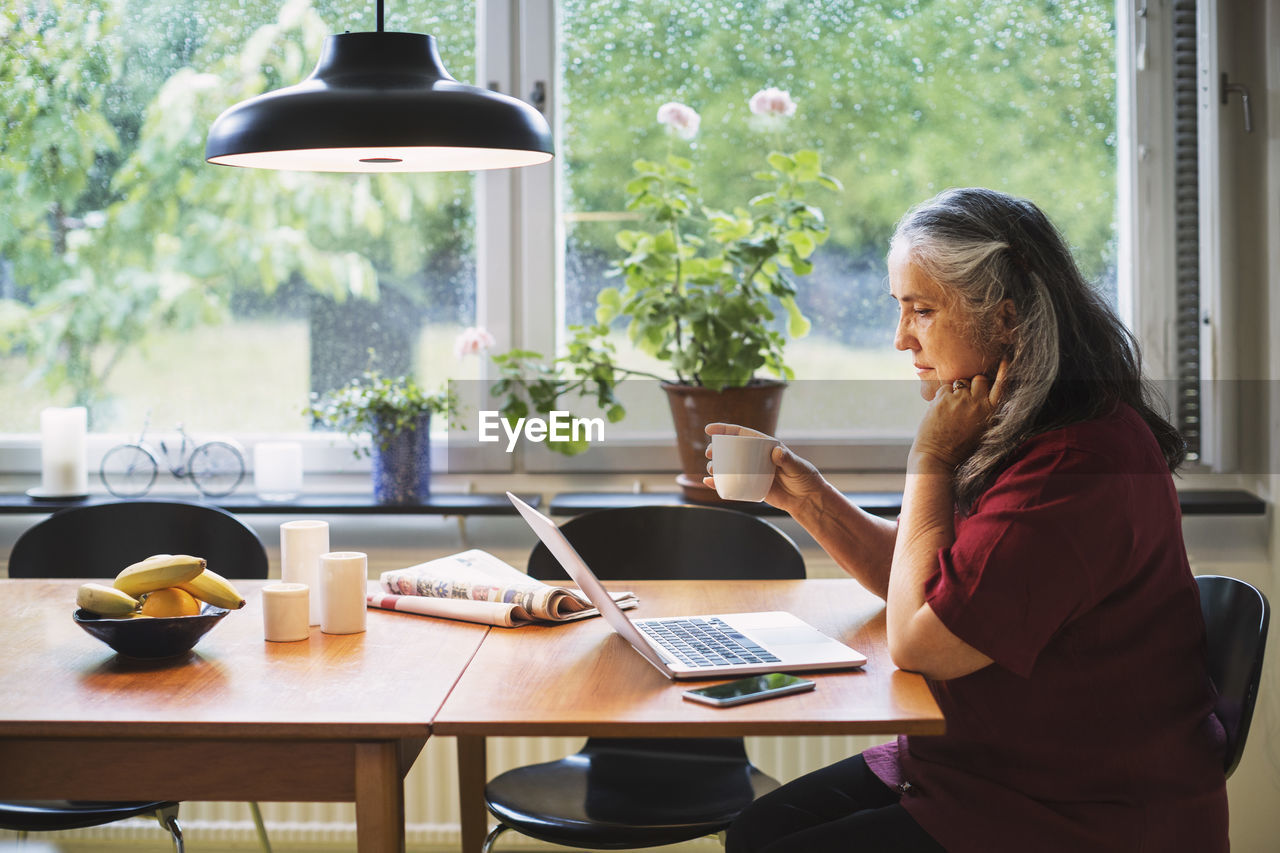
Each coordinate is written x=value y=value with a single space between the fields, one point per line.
x=1250 y=53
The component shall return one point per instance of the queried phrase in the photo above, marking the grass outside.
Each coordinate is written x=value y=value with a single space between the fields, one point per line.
x=252 y=376
x=243 y=376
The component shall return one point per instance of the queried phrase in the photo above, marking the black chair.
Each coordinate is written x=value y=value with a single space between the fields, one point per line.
x=1235 y=620
x=97 y=541
x=672 y=543
x=618 y=793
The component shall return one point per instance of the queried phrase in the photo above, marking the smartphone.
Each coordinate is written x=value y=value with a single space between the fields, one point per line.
x=750 y=689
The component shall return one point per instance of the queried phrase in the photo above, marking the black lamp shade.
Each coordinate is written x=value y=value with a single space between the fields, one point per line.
x=380 y=102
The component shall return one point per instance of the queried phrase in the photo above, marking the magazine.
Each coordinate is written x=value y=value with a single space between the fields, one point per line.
x=475 y=586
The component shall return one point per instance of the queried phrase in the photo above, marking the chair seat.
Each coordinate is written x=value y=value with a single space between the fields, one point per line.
x=51 y=815
x=617 y=794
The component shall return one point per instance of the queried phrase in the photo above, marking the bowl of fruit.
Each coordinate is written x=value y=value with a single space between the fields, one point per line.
x=159 y=607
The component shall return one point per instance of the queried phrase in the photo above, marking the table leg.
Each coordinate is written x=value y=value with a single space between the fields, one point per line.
x=379 y=798
x=472 y=775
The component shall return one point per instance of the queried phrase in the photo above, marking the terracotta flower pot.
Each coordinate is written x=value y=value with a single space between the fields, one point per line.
x=755 y=405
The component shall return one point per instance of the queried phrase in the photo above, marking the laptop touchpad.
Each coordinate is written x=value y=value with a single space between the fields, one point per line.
x=788 y=636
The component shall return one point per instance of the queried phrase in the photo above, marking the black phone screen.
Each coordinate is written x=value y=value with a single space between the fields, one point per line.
x=752 y=687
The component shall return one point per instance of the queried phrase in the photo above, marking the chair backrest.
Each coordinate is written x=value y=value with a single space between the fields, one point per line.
x=1235 y=620
x=98 y=540
x=674 y=542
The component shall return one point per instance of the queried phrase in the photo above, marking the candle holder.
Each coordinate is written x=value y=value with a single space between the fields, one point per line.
x=277 y=470
x=64 y=467
x=344 y=584
x=302 y=543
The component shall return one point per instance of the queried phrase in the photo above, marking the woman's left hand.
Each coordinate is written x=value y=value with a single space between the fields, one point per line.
x=956 y=419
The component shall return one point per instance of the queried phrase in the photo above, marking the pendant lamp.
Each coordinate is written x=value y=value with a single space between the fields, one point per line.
x=380 y=102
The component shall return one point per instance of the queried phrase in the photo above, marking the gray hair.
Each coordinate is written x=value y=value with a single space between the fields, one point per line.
x=1069 y=358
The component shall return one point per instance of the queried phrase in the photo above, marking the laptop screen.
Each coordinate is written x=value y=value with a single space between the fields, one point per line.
x=586 y=580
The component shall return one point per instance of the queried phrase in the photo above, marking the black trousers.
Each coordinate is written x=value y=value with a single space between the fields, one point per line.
x=844 y=807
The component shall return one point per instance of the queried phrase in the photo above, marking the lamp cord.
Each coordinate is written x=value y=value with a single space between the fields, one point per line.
x=380 y=15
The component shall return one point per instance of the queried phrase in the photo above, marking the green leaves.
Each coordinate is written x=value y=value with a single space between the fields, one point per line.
x=608 y=305
x=782 y=162
x=380 y=405
x=699 y=282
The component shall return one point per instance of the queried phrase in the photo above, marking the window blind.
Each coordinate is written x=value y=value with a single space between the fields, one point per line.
x=1187 y=409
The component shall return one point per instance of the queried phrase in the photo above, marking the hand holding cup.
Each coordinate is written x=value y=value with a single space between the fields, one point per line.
x=792 y=482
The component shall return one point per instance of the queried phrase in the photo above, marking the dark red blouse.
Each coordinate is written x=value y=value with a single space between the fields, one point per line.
x=1093 y=729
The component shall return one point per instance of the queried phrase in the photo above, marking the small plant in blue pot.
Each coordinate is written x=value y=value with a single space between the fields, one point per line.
x=396 y=413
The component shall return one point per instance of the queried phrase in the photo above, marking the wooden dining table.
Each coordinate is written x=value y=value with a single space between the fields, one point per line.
x=583 y=679
x=334 y=718
x=341 y=718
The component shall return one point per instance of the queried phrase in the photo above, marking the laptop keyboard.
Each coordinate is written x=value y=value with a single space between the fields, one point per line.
x=704 y=642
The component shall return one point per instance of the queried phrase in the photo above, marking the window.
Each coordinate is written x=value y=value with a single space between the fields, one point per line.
x=902 y=100
x=136 y=278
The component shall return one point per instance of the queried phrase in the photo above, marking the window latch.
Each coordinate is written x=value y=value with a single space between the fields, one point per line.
x=1243 y=91
x=538 y=97
x=1140 y=27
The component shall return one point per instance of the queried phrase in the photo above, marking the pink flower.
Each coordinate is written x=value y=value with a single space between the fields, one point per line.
x=772 y=102
x=472 y=340
x=680 y=118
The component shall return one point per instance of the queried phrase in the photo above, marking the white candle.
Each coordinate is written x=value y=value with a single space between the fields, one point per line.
x=286 y=612
x=301 y=544
x=344 y=578
x=277 y=470
x=63 y=451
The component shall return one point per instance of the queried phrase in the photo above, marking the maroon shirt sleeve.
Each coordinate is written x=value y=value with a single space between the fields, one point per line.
x=1040 y=548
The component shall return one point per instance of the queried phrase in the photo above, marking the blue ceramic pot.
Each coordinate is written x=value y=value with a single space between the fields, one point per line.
x=402 y=464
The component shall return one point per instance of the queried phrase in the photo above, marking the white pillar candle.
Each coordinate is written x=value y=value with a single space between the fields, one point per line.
x=344 y=578
x=63 y=451
x=301 y=544
x=286 y=614
x=277 y=470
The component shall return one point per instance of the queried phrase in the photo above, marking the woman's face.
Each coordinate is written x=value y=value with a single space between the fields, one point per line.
x=932 y=327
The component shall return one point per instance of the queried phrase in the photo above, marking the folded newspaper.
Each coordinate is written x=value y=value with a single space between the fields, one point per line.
x=476 y=586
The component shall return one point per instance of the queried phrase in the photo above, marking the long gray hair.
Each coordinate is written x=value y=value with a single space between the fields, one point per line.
x=1070 y=359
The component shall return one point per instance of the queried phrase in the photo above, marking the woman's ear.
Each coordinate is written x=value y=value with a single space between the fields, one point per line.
x=1006 y=321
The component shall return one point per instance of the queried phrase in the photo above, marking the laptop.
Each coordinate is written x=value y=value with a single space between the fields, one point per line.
x=701 y=646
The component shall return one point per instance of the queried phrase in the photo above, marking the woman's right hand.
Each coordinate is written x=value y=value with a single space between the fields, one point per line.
x=795 y=482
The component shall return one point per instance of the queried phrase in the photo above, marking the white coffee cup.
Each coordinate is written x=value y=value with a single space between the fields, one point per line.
x=742 y=466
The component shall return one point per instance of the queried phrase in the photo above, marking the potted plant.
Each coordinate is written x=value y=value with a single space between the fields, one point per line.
x=396 y=413
x=707 y=291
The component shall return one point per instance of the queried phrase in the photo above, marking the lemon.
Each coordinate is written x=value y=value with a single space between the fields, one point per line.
x=170 y=601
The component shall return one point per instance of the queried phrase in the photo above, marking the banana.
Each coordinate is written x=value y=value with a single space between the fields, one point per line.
x=214 y=588
x=157 y=572
x=105 y=601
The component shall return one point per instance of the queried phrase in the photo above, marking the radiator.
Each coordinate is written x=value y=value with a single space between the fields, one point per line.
x=431 y=802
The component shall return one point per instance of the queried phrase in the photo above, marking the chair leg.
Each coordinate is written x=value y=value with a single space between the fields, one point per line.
x=260 y=827
x=169 y=820
x=493 y=837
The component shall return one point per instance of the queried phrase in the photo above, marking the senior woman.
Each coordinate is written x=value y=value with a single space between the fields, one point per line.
x=1036 y=576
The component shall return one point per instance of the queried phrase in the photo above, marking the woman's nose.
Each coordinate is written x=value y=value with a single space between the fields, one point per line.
x=902 y=338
